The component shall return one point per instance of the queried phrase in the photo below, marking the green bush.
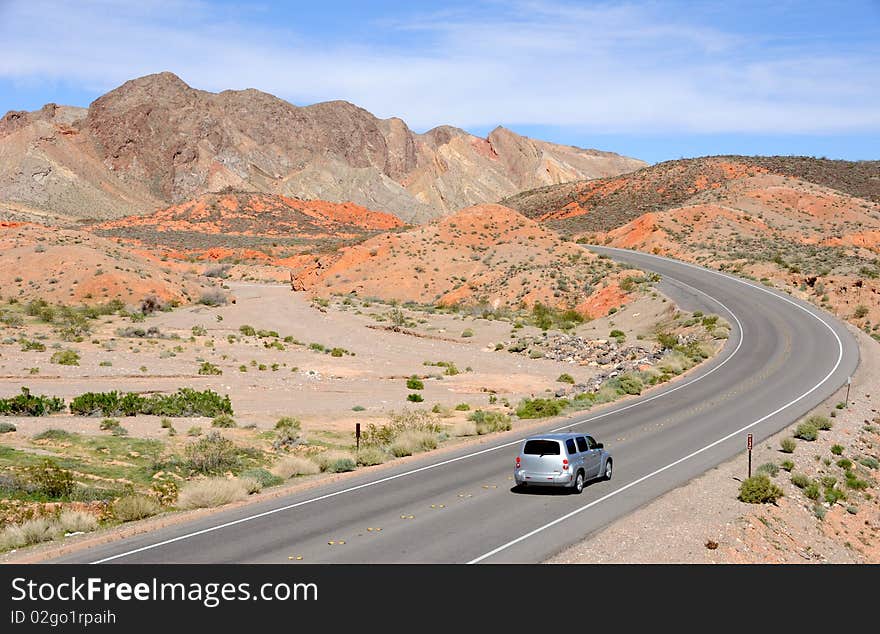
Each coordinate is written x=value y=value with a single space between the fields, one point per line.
x=759 y=490
x=487 y=422
x=788 y=445
x=800 y=480
x=565 y=378
x=870 y=462
x=341 y=465
x=5 y=427
x=50 y=479
x=209 y=369
x=462 y=407
x=541 y=407
x=467 y=332
x=65 y=357
x=415 y=398
x=812 y=491
x=247 y=331
x=768 y=468
x=224 y=421
x=288 y=422
x=109 y=424
x=833 y=495
x=837 y=449
x=854 y=482
x=26 y=404
x=629 y=384
x=185 y=402
x=788 y=465
x=371 y=455
x=415 y=383
x=820 y=422
x=807 y=431
x=212 y=454
x=845 y=463
x=265 y=477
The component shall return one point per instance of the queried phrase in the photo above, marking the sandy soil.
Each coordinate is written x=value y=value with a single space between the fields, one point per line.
x=703 y=522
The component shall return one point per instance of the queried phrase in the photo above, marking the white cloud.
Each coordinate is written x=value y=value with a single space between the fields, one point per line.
x=602 y=68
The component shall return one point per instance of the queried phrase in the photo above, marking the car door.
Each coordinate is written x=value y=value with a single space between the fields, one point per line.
x=592 y=458
x=583 y=455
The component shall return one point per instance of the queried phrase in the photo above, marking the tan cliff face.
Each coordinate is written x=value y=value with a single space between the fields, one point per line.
x=155 y=141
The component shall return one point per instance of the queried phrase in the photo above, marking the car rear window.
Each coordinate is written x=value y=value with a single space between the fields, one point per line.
x=542 y=448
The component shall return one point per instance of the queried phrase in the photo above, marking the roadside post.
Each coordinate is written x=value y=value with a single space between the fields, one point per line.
x=357 y=438
x=848 y=385
x=750 y=455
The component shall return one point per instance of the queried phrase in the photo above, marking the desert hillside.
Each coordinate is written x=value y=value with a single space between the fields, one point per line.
x=71 y=267
x=605 y=204
x=155 y=141
x=484 y=255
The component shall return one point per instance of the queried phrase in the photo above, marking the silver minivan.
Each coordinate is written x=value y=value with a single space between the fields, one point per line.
x=561 y=460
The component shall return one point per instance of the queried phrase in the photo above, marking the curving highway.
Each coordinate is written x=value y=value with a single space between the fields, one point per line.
x=782 y=359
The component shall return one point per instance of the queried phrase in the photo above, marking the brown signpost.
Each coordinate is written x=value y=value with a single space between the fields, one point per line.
x=357 y=437
x=750 y=454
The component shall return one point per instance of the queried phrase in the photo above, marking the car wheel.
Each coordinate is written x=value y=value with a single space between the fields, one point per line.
x=578 y=482
x=608 y=469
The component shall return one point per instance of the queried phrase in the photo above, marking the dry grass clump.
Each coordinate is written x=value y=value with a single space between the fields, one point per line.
x=211 y=492
x=413 y=441
x=290 y=466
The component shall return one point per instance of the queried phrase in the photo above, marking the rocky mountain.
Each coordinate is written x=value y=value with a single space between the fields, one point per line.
x=155 y=141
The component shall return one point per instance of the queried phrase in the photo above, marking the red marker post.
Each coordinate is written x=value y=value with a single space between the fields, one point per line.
x=750 y=455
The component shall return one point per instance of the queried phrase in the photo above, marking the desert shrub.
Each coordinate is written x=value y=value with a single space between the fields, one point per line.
x=65 y=357
x=820 y=422
x=109 y=424
x=870 y=462
x=50 y=479
x=135 y=507
x=800 y=480
x=34 y=531
x=833 y=495
x=462 y=407
x=812 y=491
x=415 y=383
x=224 y=421
x=184 y=402
x=787 y=445
x=27 y=346
x=837 y=449
x=629 y=384
x=195 y=430
x=467 y=332
x=251 y=485
x=214 y=297
x=27 y=404
x=5 y=427
x=54 y=434
x=666 y=340
x=860 y=312
x=77 y=521
x=209 y=369
x=854 y=482
x=787 y=465
x=212 y=454
x=358 y=408
x=541 y=407
x=565 y=378
x=371 y=455
x=211 y=492
x=287 y=437
x=406 y=420
x=413 y=441
x=768 y=468
x=415 y=397
x=220 y=270
x=265 y=477
x=290 y=466
x=845 y=463
x=759 y=490
x=247 y=331
x=464 y=428
x=487 y=422
x=336 y=461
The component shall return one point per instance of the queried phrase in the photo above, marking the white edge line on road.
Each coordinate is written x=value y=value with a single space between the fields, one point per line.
x=581 y=509
x=477 y=453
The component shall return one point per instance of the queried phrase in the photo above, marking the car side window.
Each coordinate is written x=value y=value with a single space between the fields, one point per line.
x=592 y=443
x=582 y=443
x=569 y=444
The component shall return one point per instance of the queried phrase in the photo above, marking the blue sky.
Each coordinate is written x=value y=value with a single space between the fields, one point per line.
x=655 y=80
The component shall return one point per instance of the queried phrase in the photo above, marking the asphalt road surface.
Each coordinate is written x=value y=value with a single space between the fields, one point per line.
x=783 y=357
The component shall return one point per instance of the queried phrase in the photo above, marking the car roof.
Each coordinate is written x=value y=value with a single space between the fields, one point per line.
x=564 y=436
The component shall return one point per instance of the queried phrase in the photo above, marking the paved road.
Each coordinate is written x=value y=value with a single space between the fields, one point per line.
x=783 y=358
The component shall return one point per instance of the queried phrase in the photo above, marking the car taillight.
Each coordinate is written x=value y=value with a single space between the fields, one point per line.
x=564 y=464
x=517 y=462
